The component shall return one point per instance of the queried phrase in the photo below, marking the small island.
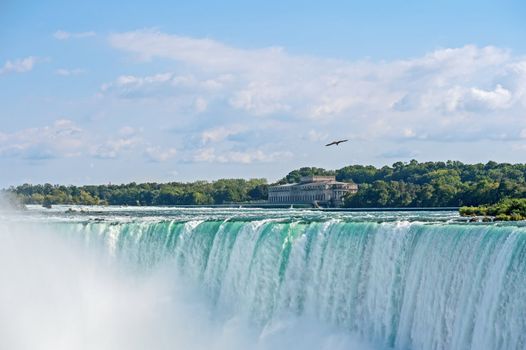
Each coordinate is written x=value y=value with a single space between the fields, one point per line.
x=509 y=209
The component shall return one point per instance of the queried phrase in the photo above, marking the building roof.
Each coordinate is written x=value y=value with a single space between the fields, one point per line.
x=317 y=178
x=327 y=182
x=285 y=185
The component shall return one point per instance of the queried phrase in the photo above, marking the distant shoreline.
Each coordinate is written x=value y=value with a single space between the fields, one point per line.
x=272 y=206
x=402 y=186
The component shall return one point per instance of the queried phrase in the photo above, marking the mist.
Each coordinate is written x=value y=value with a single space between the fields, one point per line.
x=58 y=294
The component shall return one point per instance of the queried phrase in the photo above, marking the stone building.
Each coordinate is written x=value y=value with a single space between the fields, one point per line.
x=323 y=190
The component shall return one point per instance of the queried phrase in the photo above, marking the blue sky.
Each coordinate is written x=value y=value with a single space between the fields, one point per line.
x=110 y=91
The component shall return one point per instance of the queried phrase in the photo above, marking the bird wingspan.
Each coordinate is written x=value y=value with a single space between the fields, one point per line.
x=336 y=142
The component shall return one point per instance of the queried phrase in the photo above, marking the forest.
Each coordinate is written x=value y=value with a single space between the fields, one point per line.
x=173 y=193
x=410 y=184
x=427 y=184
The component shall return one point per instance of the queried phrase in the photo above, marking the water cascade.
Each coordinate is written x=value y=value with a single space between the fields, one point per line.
x=402 y=285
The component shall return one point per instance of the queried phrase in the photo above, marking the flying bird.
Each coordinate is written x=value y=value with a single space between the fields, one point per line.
x=337 y=143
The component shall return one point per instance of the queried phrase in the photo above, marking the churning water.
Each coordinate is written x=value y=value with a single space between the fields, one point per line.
x=161 y=278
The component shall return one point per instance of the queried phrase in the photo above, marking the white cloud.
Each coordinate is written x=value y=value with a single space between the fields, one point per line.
x=208 y=53
x=158 y=154
x=425 y=98
x=221 y=133
x=68 y=72
x=496 y=99
x=316 y=136
x=133 y=82
x=130 y=86
x=113 y=147
x=205 y=155
x=19 y=65
x=63 y=35
x=61 y=139
x=243 y=157
x=458 y=99
x=260 y=98
x=167 y=85
x=65 y=139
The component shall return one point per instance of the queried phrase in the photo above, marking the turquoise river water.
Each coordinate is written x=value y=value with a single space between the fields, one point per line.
x=168 y=278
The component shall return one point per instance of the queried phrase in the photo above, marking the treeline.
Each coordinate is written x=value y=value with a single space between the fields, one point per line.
x=428 y=184
x=412 y=184
x=173 y=193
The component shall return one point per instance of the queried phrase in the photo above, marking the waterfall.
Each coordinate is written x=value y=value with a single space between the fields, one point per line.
x=403 y=285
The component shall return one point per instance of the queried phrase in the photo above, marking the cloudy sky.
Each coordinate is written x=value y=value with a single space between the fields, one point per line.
x=110 y=91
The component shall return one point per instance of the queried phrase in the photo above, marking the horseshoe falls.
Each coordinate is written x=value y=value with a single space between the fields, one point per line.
x=260 y=279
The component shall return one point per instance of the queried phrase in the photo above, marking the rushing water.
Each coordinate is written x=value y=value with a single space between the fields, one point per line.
x=384 y=280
